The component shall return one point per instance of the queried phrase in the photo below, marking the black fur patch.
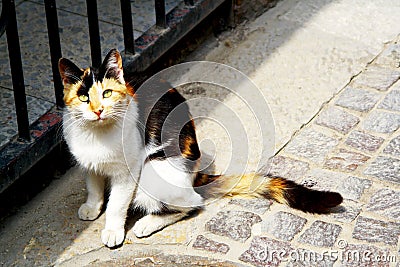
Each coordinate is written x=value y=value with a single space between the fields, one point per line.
x=166 y=120
x=310 y=200
x=87 y=83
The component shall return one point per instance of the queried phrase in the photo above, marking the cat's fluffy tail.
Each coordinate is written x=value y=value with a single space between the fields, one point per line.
x=279 y=189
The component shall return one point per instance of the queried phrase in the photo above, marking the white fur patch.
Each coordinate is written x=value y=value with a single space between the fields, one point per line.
x=166 y=181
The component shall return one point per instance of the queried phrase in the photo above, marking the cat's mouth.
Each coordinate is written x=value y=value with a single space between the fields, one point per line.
x=100 y=121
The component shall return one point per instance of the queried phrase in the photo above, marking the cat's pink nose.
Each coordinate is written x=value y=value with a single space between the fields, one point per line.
x=98 y=113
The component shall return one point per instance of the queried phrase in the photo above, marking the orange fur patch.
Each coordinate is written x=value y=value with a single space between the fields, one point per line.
x=277 y=187
x=187 y=150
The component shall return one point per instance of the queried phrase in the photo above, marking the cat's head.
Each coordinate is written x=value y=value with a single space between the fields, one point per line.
x=96 y=96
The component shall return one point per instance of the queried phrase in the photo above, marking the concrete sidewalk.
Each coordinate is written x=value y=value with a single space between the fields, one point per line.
x=329 y=71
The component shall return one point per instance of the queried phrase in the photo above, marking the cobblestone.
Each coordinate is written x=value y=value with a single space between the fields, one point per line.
x=288 y=168
x=390 y=56
x=233 y=224
x=353 y=187
x=385 y=168
x=259 y=253
x=257 y=205
x=358 y=99
x=283 y=225
x=168 y=260
x=377 y=77
x=386 y=202
x=391 y=101
x=337 y=119
x=382 y=122
x=311 y=145
x=204 y=243
x=372 y=230
x=364 y=141
x=345 y=160
x=393 y=148
x=321 y=234
x=347 y=212
x=322 y=179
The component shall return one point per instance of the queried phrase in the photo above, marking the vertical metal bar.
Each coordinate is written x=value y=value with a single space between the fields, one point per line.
x=189 y=2
x=14 y=53
x=94 y=32
x=55 y=48
x=4 y=16
x=161 y=19
x=127 y=26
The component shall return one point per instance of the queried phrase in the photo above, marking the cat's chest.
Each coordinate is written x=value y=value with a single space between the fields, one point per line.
x=92 y=149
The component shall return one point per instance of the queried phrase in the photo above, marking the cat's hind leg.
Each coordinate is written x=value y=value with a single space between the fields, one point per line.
x=91 y=209
x=154 y=222
x=164 y=184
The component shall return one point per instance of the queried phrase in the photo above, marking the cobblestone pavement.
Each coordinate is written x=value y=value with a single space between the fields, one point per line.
x=352 y=145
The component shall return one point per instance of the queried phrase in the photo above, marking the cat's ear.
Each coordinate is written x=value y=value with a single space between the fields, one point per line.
x=70 y=73
x=112 y=66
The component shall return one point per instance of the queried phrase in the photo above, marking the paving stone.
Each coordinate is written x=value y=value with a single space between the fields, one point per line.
x=382 y=122
x=393 y=148
x=166 y=260
x=283 y=225
x=258 y=205
x=264 y=251
x=311 y=145
x=322 y=179
x=353 y=187
x=372 y=230
x=390 y=56
x=364 y=141
x=345 y=160
x=233 y=224
x=287 y=167
x=347 y=211
x=386 y=202
x=377 y=77
x=358 y=99
x=304 y=257
x=204 y=243
x=363 y=255
x=321 y=234
x=391 y=101
x=385 y=168
x=337 y=119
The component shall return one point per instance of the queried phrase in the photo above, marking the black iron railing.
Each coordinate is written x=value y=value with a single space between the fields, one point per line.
x=17 y=74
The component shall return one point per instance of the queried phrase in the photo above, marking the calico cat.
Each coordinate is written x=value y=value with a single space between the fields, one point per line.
x=145 y=144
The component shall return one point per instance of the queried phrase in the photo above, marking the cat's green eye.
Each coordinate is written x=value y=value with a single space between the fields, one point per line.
x=83 y=98
x=107 y=93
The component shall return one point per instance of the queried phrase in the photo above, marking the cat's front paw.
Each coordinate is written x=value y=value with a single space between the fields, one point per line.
x=112 y=238
x=88 y=213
